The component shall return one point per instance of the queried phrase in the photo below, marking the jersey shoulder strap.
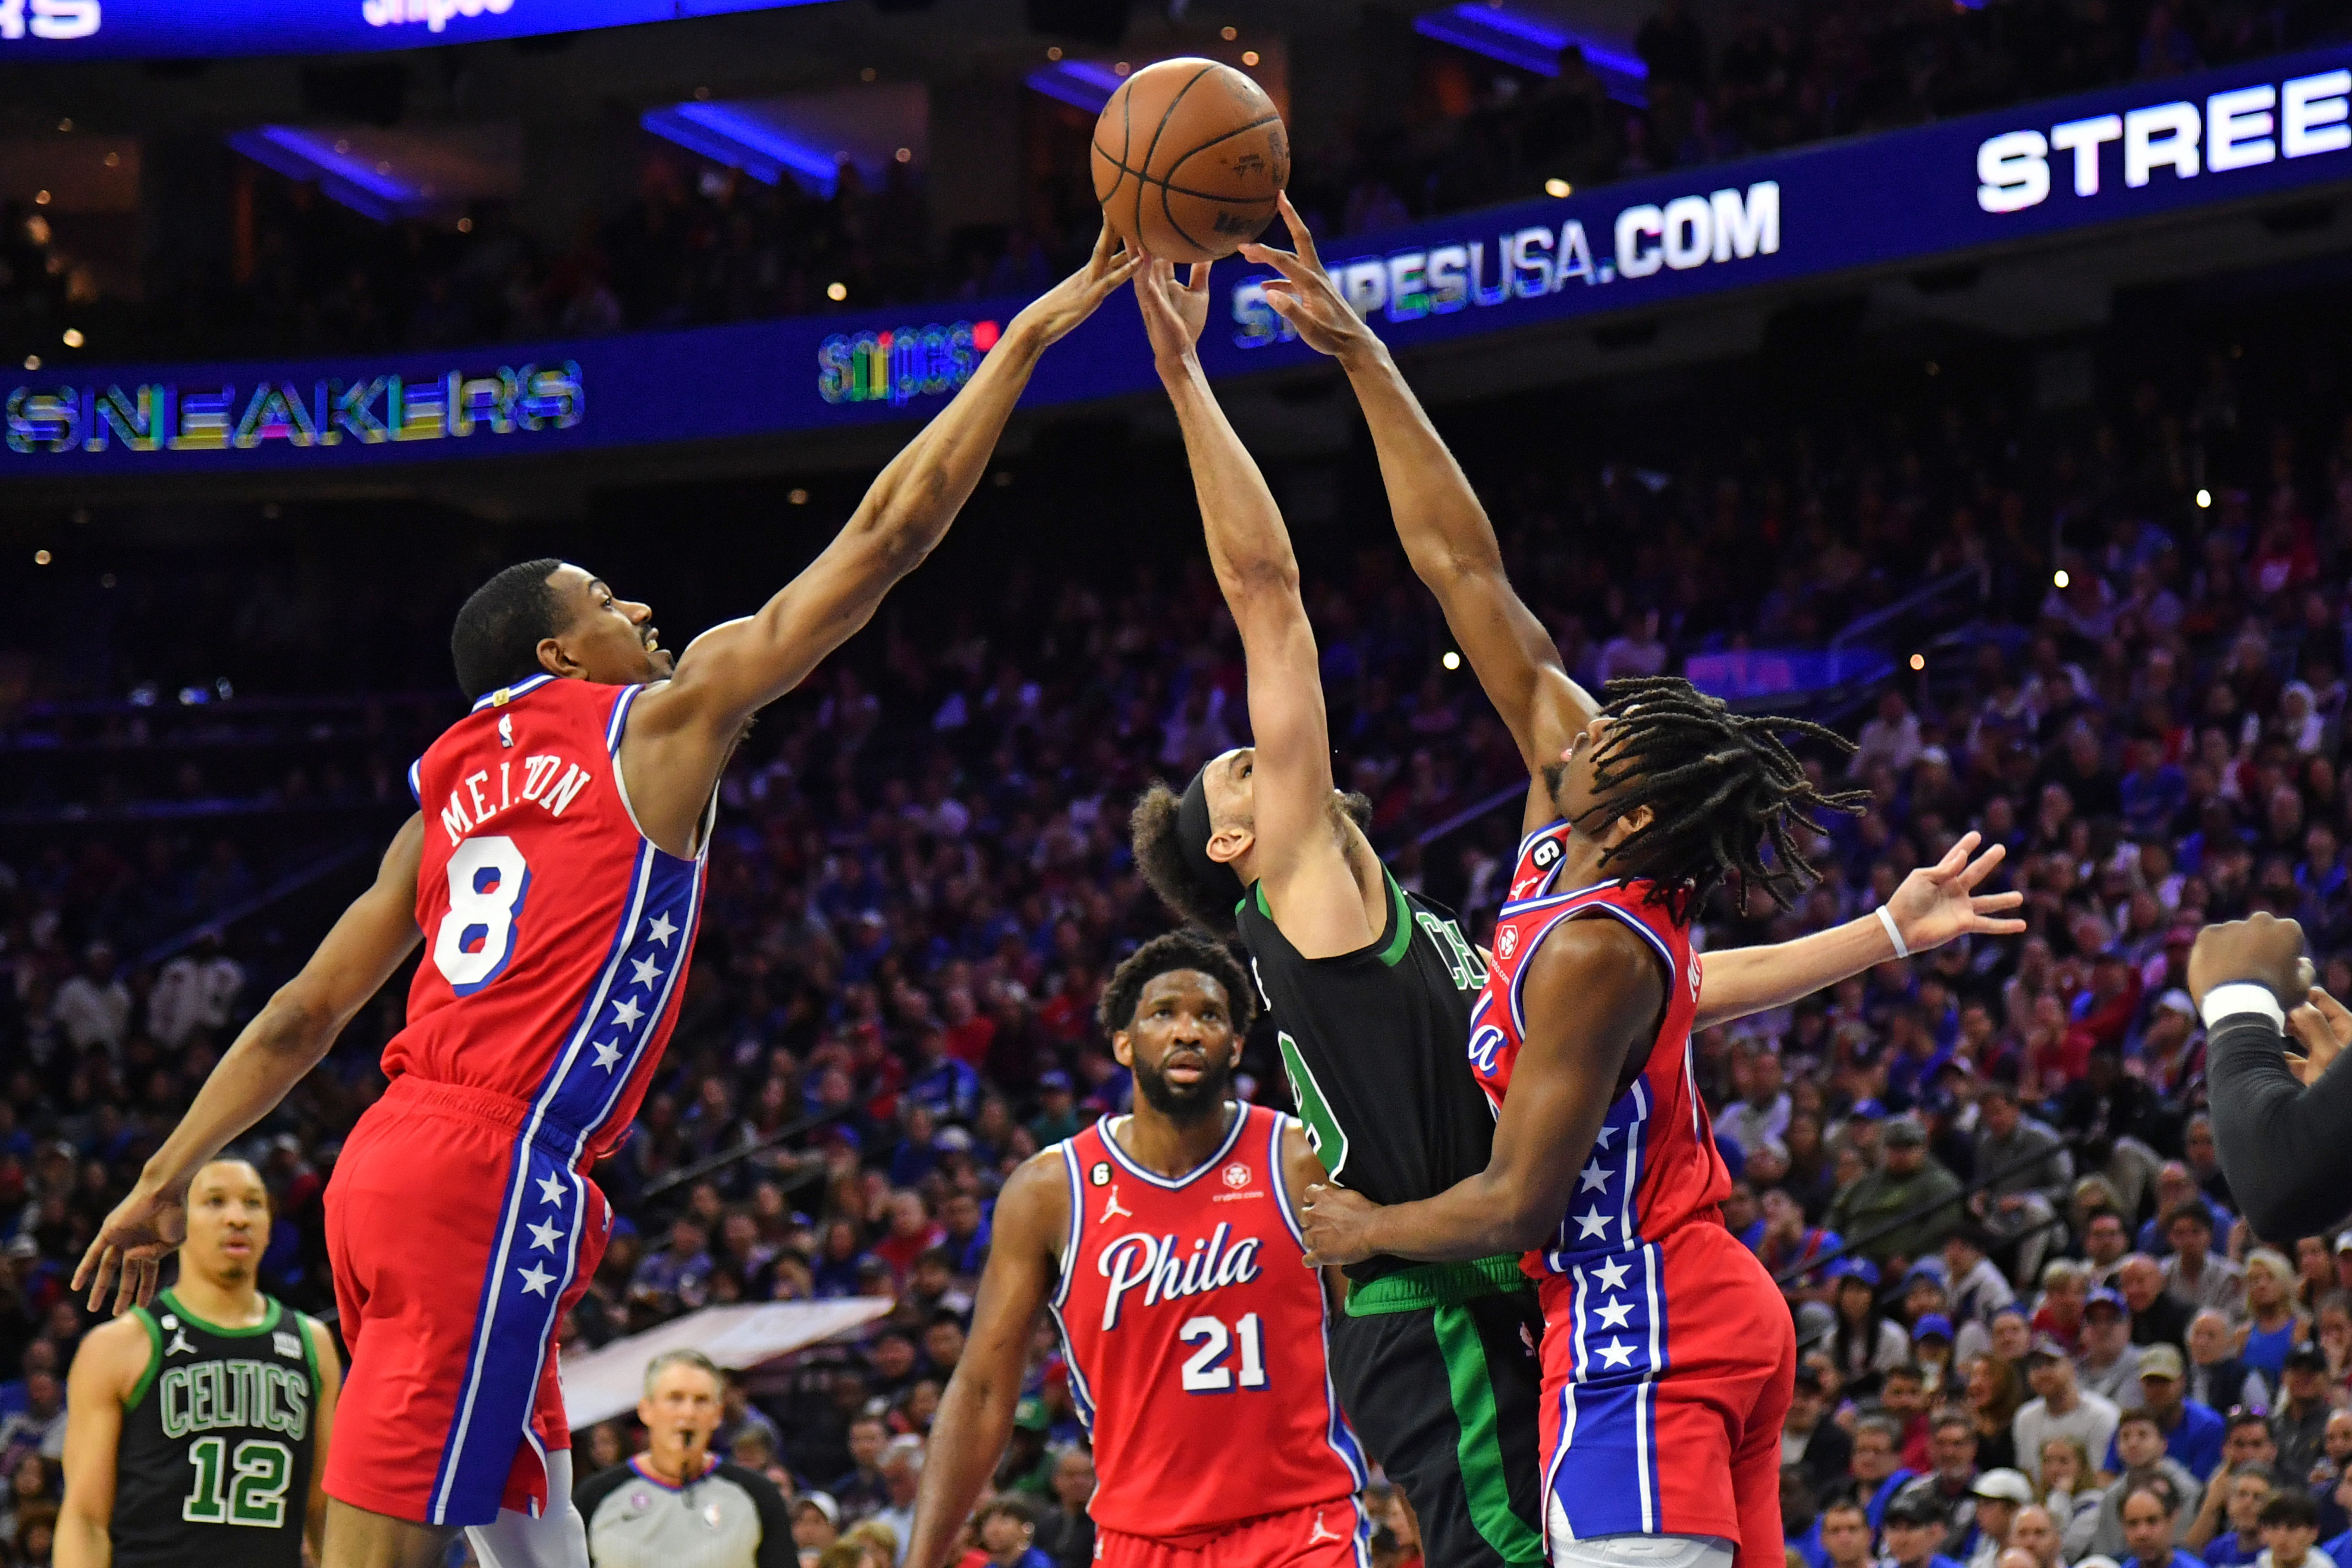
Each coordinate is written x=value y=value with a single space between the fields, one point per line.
x=154 y=1358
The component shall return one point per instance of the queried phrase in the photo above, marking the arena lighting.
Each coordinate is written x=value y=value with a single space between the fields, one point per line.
x=1558 y=189
x=340 y=175
x=1081 y=84
x=1918 y=661
x=2060 y=579
x=73 y=337
x=2204 y=500
x=1452 y=661
x=40 y=558
x=728 y=135
x=1534 y=44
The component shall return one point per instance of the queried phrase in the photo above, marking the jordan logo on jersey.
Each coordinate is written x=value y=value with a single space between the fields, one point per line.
x=1322 y=1531
x=1111 y=1209
x=1166 y=1272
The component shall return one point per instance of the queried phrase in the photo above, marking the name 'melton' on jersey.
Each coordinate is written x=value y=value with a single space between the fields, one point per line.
x=556 y=934
x=1195 y=1339
x=1654 y=1164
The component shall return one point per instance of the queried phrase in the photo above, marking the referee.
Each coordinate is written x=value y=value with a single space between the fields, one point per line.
x=678 y=1505
x=2282 y=1117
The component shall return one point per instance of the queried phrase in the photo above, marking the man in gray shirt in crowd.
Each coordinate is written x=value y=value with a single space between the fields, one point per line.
x=2062 y=1408
x=2027 y=1199
x=678 y=1505
x=2108 y=1363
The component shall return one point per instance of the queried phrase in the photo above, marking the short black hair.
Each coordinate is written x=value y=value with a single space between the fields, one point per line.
x=1151 y=828
x=2191 y=1210
x=1012 y=1505
x=2290 y=1507
x=1719 y=785
x=1177 y=949
x=495 y=640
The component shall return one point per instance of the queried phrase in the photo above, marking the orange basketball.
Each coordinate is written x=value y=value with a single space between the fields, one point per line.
x=1189 y=157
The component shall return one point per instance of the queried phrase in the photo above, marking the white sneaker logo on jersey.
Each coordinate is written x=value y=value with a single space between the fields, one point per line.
x=1111 y=1207
x=179 y=1343
x=1322 y=1531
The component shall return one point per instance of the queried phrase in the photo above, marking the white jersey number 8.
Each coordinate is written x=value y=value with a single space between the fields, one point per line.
x=488 y=878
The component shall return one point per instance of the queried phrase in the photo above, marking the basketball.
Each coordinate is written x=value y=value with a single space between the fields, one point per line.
x=1188 y=156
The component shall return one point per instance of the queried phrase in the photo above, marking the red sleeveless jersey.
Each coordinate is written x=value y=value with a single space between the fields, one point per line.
x=556 y=935
x=1654 y=1164
x=1196 y=1340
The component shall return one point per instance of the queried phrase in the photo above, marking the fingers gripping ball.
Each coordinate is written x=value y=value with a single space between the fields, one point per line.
x=1188 y=156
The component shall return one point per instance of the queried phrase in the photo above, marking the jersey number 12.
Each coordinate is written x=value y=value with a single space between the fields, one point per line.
x=256 y=1496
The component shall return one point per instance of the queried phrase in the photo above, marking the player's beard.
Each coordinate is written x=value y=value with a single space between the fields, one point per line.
x=1187 y=1105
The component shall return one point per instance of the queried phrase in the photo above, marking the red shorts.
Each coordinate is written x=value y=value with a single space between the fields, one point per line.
x=1335 y=1534
x=1667 y=1371
x=457 y=1244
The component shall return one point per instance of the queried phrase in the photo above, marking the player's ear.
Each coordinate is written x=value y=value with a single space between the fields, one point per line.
x=1632 y=822
x=1122 y=1050
x=1230 y=843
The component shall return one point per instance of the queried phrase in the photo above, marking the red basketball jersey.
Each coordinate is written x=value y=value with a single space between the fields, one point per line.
x=556 y=935
x=1654 y=1164
x=1196 y=1340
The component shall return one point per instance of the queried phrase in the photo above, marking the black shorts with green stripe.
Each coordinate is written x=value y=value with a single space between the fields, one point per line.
x=1436 y=1367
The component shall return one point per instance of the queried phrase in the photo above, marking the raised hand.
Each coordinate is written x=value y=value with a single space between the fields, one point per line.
x=2262 y=948
x=1304 y=294
x=1054 y=314
x=1173 y=313
x=2323 y=1028
x=130 y=1247
x=1937 y=902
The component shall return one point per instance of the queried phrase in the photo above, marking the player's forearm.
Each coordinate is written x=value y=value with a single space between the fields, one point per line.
x=81 y=1542
x=1476 y=1217
x=1737 y=981
x=968 y=1435
x=288 y=1038
x=1249 y=548
x=1444 y=529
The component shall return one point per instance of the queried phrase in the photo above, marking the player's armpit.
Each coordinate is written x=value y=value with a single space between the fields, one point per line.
x=105 y=1369
x=975 y=1414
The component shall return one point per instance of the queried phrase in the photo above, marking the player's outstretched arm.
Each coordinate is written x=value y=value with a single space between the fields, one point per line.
x=1593 y=993
x=1933 y=905
x=1445 y=530
x=975 y=1415
x=112 y=1358
x=1301 y=858
x=287 y=1039
x=733 y=669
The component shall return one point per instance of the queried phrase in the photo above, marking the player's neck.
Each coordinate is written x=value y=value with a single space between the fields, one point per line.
x=232 y=1304
x=1579 y=865
x=1171 y=1148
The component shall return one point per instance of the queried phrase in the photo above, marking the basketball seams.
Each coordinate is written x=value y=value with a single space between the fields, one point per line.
x=1157 y=133
x=1238 y=131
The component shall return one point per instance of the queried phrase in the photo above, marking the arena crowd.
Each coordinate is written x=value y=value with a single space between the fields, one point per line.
x=921 y=878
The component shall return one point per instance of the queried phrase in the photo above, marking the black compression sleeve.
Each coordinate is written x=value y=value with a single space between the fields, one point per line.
x=2287 y=1150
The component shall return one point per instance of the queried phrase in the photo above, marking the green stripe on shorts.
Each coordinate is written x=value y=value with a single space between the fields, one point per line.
x=1484 y=1482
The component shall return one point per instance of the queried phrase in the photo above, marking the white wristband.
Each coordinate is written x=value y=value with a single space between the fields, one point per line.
x=1893 y=935
x=2242 y=996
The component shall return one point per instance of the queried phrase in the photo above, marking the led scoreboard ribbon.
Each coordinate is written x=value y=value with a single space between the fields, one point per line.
x=2256 y=132
x=62 y=30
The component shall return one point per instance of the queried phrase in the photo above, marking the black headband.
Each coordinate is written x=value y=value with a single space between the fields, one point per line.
x=1193 y=834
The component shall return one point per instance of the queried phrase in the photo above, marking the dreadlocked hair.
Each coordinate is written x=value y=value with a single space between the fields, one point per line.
x=1718 y=784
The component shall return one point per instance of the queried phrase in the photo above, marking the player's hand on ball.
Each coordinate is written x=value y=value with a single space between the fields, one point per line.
x=1937 y=902
x=130 y=1247
x=2262 y=948
x=1173 y=313
x=1054 y=314
x=1338 y=1225
x=1304 y=294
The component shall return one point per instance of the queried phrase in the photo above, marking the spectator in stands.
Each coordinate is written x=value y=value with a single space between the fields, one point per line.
x=2234 y=1499
x=2218 y=1379
x=2106 y=1243
x=1952 y=1449
x=2290 y=1527
x=2033 y=1535
x=1974 y=1283
x=93 y=1006
x=1866 y=1344
x=1007 y=1525
x=1845 y=1533
x=2059 y=1408
x=863 y=1490
x=2274 y=1324
x=902 y=1472
x=1907 y=1198
x=1065 y=1531
x=2157 y=1317
x=1915 y=1531
x=2107 y=1362
x=2029 y=1195
x=1878 y=1470
x=2065 y=1287
x=2194 y=1433
x=1810 y=1439
x=2148 y=1514
x=2070 y=1490
x=2299 y=1424
x=2000 y=1494
x=1761 y=1116
x=2141 y=1463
